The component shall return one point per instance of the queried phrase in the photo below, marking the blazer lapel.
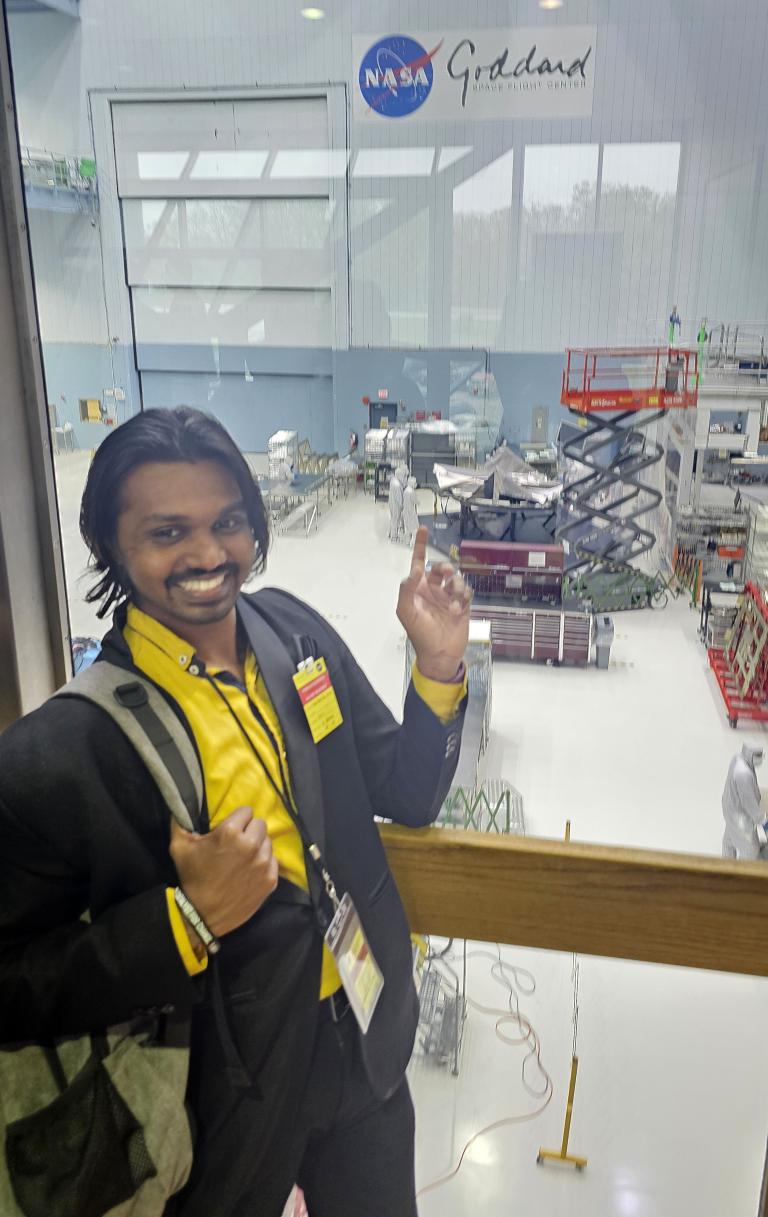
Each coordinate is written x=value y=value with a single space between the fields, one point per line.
x=277 y=668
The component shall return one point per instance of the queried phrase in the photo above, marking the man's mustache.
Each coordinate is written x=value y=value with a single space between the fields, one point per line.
x=229 y=569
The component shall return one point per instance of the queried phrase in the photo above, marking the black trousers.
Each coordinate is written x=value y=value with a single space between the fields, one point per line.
x=351 y=1153
x=358 y=1153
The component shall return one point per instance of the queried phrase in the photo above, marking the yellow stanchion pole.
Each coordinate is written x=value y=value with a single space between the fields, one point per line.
x=561 y=1154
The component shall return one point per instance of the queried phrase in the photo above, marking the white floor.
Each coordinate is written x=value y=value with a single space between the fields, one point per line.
x=670 y=1105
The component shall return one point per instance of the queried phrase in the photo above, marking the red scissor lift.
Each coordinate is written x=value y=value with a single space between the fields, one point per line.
x=621 y=391
x=741 y=666
x=629 y=379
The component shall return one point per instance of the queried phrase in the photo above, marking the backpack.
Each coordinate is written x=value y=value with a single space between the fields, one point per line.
x=97 y=1126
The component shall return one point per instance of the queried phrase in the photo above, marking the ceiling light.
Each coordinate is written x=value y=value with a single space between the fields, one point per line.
x=550 y=3
x=313 y=14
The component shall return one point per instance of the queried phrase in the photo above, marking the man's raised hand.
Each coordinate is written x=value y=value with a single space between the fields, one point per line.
x=433 y=608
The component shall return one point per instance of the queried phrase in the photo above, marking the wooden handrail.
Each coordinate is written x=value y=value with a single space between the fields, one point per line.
x=681 y=909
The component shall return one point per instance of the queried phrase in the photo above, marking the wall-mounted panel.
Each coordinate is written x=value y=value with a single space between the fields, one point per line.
x=281 y=122
x=244 y=361
x=210 y=318
x=228 y=259
x=169 y=148
x=228 y=242
x=157 y=144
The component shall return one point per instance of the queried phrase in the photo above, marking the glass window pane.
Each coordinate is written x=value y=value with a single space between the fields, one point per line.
x=220 y=218
x=482 y=231
x=638 y=199
x=186 y=316
x=214 y=220
x=557 y=244
x=559 y=187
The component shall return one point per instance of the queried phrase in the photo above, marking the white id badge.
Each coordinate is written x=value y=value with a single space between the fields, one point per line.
x=359 y=972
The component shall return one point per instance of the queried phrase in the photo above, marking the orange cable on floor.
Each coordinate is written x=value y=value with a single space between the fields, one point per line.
x=528 y=1036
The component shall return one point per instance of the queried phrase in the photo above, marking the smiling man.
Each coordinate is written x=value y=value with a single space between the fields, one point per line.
x=274 y=934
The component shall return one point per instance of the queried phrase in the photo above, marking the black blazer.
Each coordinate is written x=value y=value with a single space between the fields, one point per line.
x=83 y=827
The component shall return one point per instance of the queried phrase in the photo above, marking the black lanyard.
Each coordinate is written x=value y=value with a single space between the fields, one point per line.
x=311 y=849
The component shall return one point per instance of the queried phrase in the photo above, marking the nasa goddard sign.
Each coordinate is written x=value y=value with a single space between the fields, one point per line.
x=537 y=72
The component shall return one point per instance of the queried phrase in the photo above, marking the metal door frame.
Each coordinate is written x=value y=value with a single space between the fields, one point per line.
x=35 y=655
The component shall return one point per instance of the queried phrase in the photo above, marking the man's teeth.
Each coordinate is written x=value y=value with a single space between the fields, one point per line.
x=203 y=585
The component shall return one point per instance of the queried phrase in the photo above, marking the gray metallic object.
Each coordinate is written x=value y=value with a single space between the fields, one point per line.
x=396 y=491
x=604 y=633
x=744 y=817
x=442 y=1012
x=511 y=477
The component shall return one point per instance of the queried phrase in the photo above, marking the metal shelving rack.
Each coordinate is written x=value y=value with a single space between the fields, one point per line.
x=717 y=537
x=432 y=443
x=757 y=546
x=418 y=445
x=60 y=183
x=741 y=666
x=466 y=447
x=384 y=449
x=282 y=447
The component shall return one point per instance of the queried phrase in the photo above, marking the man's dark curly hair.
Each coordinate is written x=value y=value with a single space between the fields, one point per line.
x=181 y=434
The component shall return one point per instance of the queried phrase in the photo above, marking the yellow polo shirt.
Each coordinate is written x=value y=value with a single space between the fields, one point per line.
x=232 y=775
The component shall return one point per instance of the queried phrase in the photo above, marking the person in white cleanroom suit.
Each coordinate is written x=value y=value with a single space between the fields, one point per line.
x=410 y=511
x=745 y=828
x=396 y=488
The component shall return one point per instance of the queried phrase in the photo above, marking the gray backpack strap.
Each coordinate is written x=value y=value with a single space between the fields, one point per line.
x=154 y=730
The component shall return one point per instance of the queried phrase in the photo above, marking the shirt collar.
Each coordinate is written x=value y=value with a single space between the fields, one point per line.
x=182 y=653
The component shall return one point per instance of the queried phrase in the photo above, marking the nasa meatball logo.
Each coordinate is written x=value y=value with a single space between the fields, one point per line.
x=396 y=75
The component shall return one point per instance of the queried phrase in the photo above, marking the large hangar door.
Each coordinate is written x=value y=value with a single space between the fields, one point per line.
x=231 y=231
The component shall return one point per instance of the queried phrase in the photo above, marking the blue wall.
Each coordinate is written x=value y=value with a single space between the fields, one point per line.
x=422 y=380
x=525 y=381
x=323 y=405
x=75 y=370
x=252 y=409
